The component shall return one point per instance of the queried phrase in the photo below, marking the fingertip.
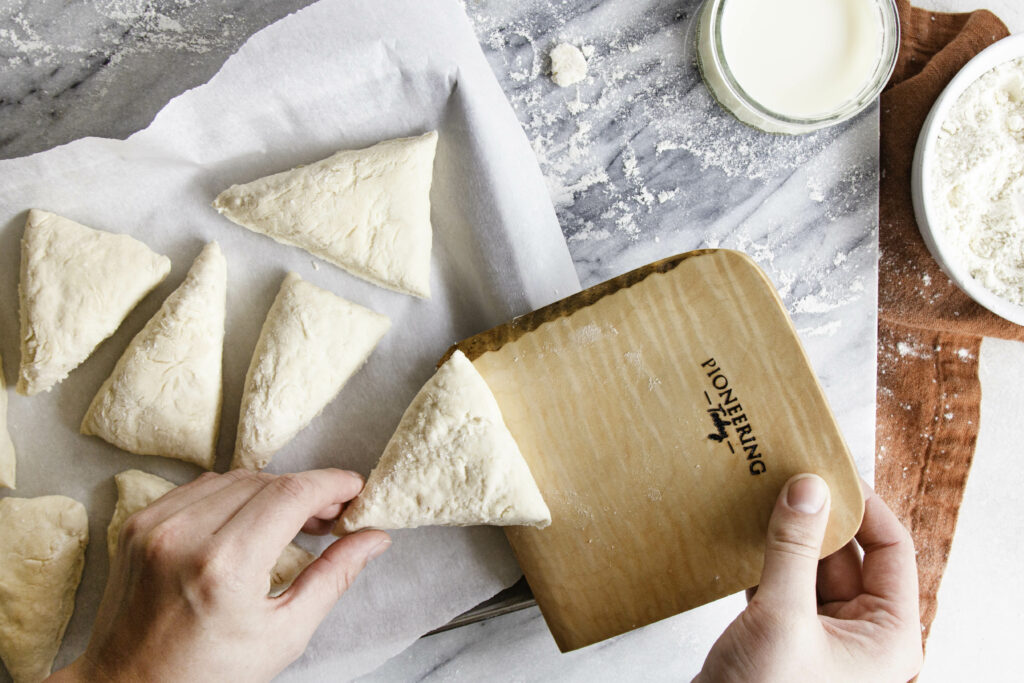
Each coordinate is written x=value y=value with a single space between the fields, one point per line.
x=381 y=547
x=323 y=582
x=796 y=529
x=807 y=494
x=344 y=485
x=370 y=543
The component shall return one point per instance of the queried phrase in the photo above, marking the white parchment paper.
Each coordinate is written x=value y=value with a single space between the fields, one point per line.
x=339 y=74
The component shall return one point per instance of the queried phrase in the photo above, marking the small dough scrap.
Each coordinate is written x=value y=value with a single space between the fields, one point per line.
x=289 y=565
x=137 y=489
x=42 y=553
x=311 y=343
x=568 y=65
x=452 y=462
x=366 y=210
x=164 y=395
x=77 y=286
x=8 y=461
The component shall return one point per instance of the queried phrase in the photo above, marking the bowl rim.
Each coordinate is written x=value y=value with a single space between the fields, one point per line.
x=1000 y=52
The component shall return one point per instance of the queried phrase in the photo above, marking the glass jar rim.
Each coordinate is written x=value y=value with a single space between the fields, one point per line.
x=883 y=71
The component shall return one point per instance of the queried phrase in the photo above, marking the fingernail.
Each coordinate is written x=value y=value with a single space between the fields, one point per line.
x=378 y=550
x=807 y=494
x=357 y=475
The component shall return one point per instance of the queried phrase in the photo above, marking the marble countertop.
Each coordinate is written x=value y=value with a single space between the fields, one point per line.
x=641 y=164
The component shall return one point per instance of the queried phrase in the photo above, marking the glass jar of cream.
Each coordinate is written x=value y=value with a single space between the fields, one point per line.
x=794 y=66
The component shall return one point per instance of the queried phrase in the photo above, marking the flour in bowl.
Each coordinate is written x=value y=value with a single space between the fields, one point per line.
x=978 y=179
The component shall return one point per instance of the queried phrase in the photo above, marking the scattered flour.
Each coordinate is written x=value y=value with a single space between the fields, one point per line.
x=978 y=181
x=825 y=330
x=127 y=28
x=586 y=335
x=912 y=350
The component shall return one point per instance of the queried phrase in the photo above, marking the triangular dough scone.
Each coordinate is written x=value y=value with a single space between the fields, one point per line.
x=311 y=343
x=8 y=461
x=77 y=286
x=137 y=489
x=164 y=395
x=42 y=552
x=366 y=210
x=452 y=462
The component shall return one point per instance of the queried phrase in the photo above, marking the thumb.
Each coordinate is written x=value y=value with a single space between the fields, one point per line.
x=322 y=583
x=795 y=533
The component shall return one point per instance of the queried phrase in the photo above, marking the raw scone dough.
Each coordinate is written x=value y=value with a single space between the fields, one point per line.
x=164 y=396
x=452 y=462
x=77 y=286
x=137 y=489
x=568 y=65
x=367 y=211
x=289 y=565
x=311 y=343
x=42 y=552
x=8 y=462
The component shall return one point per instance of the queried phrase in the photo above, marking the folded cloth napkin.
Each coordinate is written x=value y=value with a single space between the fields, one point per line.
x=929 y=331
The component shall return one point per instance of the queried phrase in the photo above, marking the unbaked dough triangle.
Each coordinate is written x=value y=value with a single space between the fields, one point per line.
x=8 y=461
x=77 y=286
x=312 y=341
x=451 y=462
x=137 y=489
x=366 y=210
x=42 y=552
x=164 y=395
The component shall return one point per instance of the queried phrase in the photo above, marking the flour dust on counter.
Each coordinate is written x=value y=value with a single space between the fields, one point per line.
x=639 y=149
x=105 y=68
x=641 y=163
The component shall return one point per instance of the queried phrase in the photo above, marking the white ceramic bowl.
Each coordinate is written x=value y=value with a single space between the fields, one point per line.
x=926 y=213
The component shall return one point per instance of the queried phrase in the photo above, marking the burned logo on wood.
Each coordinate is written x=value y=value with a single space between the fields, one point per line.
x=728 y=419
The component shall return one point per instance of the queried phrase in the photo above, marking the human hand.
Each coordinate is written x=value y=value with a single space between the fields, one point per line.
x=862 y=623
x=187 y=593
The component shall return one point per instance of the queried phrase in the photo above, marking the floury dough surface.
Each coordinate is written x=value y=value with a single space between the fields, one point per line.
x=164 y=395
x=42 y=552
x=364 y=210
x=450 y=462
x=311 y=343
x=77 y=286
x=978 y=179
x=8 y=459
x=568 y=65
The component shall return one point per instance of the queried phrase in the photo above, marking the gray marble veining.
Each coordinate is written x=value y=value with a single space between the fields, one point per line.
x=641 y=164
x=106 y=67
